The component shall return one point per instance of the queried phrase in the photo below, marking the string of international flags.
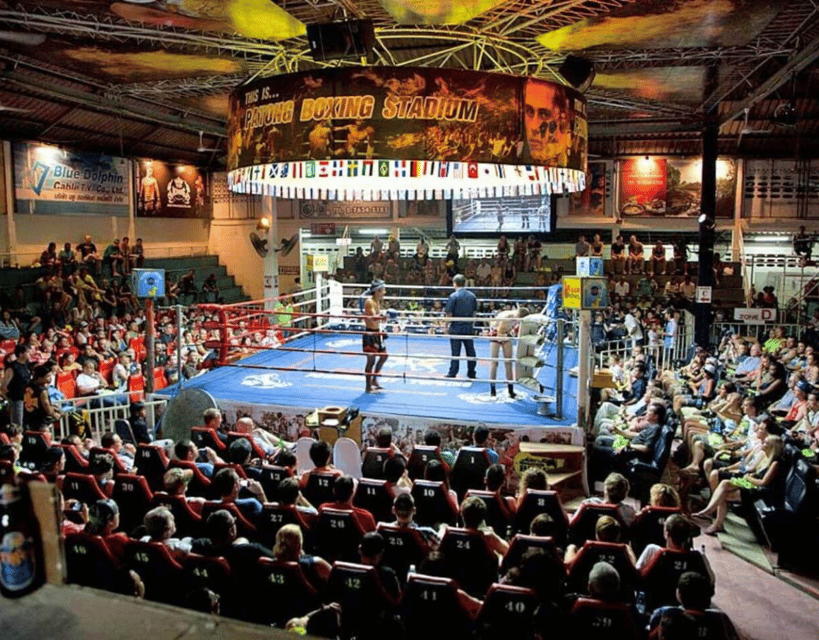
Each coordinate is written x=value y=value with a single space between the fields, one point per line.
x=346 y=179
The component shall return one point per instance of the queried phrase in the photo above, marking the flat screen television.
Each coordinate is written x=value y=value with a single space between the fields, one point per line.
x=494 y=216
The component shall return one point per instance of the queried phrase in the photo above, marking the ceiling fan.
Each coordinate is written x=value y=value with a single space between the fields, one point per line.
x=202 y=148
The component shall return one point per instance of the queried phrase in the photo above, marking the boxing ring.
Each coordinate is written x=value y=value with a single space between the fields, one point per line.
x=323 y=365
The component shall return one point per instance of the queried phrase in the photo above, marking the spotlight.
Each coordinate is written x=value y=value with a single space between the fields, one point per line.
x=706 y=221
x=578 y=72
x=263 y=224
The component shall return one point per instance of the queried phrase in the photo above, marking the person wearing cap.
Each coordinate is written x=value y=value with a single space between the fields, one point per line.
x=103 y=520
x=373 y=338
x=462 y=304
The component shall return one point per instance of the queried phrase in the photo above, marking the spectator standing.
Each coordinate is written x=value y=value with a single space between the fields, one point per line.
x=461 y=304
x=13 y=387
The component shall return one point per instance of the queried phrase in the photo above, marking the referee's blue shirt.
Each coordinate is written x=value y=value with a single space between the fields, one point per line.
x=461 y=304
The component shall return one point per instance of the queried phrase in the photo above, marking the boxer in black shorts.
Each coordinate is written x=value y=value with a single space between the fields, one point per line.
x=373 y=339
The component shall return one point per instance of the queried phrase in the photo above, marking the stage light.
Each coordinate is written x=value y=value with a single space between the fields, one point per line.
x=263 y=224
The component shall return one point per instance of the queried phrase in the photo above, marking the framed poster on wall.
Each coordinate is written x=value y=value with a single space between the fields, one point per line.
x=170 y=191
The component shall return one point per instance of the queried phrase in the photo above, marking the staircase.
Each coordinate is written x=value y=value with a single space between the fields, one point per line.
x=203 y=266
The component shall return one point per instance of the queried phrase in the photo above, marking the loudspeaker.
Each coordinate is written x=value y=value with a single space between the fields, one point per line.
x=341 y=40
x=578 y=72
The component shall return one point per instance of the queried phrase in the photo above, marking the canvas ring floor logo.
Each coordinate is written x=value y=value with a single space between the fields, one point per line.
x=266 y=381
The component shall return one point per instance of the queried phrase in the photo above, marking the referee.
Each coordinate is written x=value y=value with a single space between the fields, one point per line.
x=461 y=304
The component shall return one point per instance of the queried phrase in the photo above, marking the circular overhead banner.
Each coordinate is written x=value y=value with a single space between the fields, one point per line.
x=405 y=133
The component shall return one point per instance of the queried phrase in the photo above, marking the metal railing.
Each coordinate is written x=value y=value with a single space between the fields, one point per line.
x=664 y=359
x=102 y=417
x=758 y=332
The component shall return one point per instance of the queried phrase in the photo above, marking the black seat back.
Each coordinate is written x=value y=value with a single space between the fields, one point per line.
x=275 y=592
x=319 y=488
x=161 y=574
x=372 y=465
x=507 y=612
x=432 y=504
x=536 y=502
x=521 y=543
x=274 y=517
x=420 y=457
x=89 y=562
x=660 y=578
x=35 y=446
x=612 y=553
x=582 y=526
x=374 y=496
x=271 y=476
x=365 y=605
x=337 y=535
x=649 y=527
x=469 y=470
x=188 y=522
x=209 y=573
x=431 y=609
x=150 y=461
x=603 y=620
x=403 y=548
x=133 y=496
x=497 y=516
x=83 y=488
x=469 y=561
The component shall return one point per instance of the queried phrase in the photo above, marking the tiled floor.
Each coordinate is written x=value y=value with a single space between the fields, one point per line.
x=761 y=606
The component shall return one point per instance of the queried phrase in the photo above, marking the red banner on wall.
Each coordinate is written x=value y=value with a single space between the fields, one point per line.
x=643 y=186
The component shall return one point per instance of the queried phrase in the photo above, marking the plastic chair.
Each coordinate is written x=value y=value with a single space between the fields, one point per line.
x=136 y=385
x=152 y=462
x=337 y=535
x=244 y=527
x=134 y=498
x=89 y=562
x=209 y=573
x=123 y=429
x=347 y=457
x=303 y=461
x=160 y=572
x=600 y=620
x=507 y=612
x=613 y=553
x=536 y=502
x=372 y=465
x=270 y=477
x=319 y=488
x=199 y=485
x=469 y=561
x=274 y=592
x=256 y=450
x=67 y=384
x=660 y=578
x=497 y=515
x=432 y=609
x=403 y=548
x=74 y=462
x=433 y=504
x=97 y=452
x=83 y=488
x=469 y=470
x=374 y=496
x=420 y=457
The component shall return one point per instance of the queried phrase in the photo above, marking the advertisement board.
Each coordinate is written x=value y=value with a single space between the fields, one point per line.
x=49 y=180
x=572 y=296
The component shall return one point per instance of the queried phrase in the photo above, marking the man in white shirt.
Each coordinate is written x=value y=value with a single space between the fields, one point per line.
x=622 y=288
x=91 y=383
x=633 y=326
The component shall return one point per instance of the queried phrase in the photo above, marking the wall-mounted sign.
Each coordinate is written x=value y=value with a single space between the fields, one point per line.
x=572 y=296
x=49 y=180
x=754 y=316
x=704 y=295
x=170 y=191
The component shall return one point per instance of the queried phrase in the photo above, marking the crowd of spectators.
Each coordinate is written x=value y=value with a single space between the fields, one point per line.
x=735 y=407
x=224 y=497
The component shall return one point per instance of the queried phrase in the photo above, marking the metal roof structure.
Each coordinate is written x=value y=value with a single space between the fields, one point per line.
x=142 y=79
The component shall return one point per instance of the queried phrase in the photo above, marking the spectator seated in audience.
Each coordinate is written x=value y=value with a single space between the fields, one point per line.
x=694 y=593
x=615 y=491
x=227 y=486
x=321 y=455
x=677 y=533
x=103 y=520
x=186 y=451
x=288 y=548
x=176 y=481
x=765 y=474
x=403 y=508
x=288 y=493
x=221 y=540
x=606 y=455
x=607 y=529
x=160 y=527
x=343 y=490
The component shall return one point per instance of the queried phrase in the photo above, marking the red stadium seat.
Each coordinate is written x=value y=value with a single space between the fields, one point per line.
x=469 y=560
x=136 y=385
x=507 y=612
x=134 y=497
